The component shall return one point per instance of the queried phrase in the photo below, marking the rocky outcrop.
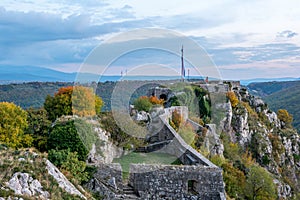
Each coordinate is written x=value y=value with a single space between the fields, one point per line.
x=275 y=147
x=24 y=184
x=62 y=181
x=106 y=151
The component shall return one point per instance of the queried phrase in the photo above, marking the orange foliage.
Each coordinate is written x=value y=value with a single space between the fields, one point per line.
x=176 y=120
x=65 y=90
x=154 y=100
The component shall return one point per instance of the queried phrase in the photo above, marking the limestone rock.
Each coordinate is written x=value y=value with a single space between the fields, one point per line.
x=106 y=151
x=141 y=116
x=284 y=191
x=24 y=184
x=62 y=181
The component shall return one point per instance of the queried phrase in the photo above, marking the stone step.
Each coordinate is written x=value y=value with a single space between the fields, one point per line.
x=128 y=190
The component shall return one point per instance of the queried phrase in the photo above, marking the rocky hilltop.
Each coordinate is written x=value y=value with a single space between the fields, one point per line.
x=272 y=141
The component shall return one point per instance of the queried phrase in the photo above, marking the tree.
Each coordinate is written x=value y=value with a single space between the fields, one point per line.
x=142 y=104
x=284 y=116
x=77 y=100
x=232 y=98
x=259 y=184
x=234 y=180
x=13 y=122
x=155 y=101
x=176 y=120
x=38 y=127
x=64 y=136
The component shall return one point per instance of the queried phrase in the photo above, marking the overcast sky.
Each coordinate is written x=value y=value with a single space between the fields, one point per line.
x=245 y=39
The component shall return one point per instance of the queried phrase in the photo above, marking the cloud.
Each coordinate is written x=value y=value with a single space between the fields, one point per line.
x=286 y=34
x=26 y=27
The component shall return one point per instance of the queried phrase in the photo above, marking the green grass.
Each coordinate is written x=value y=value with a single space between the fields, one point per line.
x=144 y=158
x=187 y=133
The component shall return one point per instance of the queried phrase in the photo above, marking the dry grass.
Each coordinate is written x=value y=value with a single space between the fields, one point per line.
x=33 y=163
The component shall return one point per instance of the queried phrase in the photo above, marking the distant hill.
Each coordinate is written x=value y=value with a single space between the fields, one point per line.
x=30 y=94
x=17 y=74
x=280 y=95
x=264 y=80
x=33 y=94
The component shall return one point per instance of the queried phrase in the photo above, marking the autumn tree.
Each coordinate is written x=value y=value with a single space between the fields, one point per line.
x=155 y=101
x=77 y=100
x=13 y=122
x=285 y=117
x=232 y=98
x=176 y=120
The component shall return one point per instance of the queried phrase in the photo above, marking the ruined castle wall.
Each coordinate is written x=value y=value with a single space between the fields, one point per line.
x=110 y=175
x=176 y=182
x=215 y=88
x=196 y=126
x=179 y=148
x=182 y=110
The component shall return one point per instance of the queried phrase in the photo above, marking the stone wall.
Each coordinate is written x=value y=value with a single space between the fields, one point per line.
x=161 y=93
x=179 y=148
x=110 y=175
x=177 y=182
x=215 y=88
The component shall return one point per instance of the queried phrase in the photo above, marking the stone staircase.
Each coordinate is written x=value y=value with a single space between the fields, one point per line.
x=129 y=192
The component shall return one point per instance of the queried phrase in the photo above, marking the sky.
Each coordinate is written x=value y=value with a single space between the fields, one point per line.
x=244 y=39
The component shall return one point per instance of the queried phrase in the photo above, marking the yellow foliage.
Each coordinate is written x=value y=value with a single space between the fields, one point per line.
x=284 y=116
x=83 y=101
x=233 y=99
x=247 y=159
x=13 y=121
x=249 y=109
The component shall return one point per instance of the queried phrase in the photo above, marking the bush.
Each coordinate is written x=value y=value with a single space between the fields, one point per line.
x=142 y=104
x=232 y=98
x=285 y=117
x=176 y=120
x=57 y=157
x=65 y=136
x=68 y=161
x=234 y=181
x=187 y=133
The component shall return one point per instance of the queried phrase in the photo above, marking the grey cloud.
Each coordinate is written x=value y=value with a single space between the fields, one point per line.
x=286 y=34
x=20 y=27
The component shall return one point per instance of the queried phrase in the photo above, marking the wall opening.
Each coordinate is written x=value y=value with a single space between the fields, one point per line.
x=163 y=96
x=192 y=186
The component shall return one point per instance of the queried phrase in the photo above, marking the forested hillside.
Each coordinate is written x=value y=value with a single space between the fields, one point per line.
x=280 y=95
x=33 y=94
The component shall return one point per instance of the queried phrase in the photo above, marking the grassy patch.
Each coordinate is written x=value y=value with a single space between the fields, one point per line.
x=33 y=164
x=187 y=133
x=144 y=158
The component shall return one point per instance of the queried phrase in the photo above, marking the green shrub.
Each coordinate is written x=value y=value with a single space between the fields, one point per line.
x=65 y=136
x=142 y=104
x=57 y=157
x=235 y=181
